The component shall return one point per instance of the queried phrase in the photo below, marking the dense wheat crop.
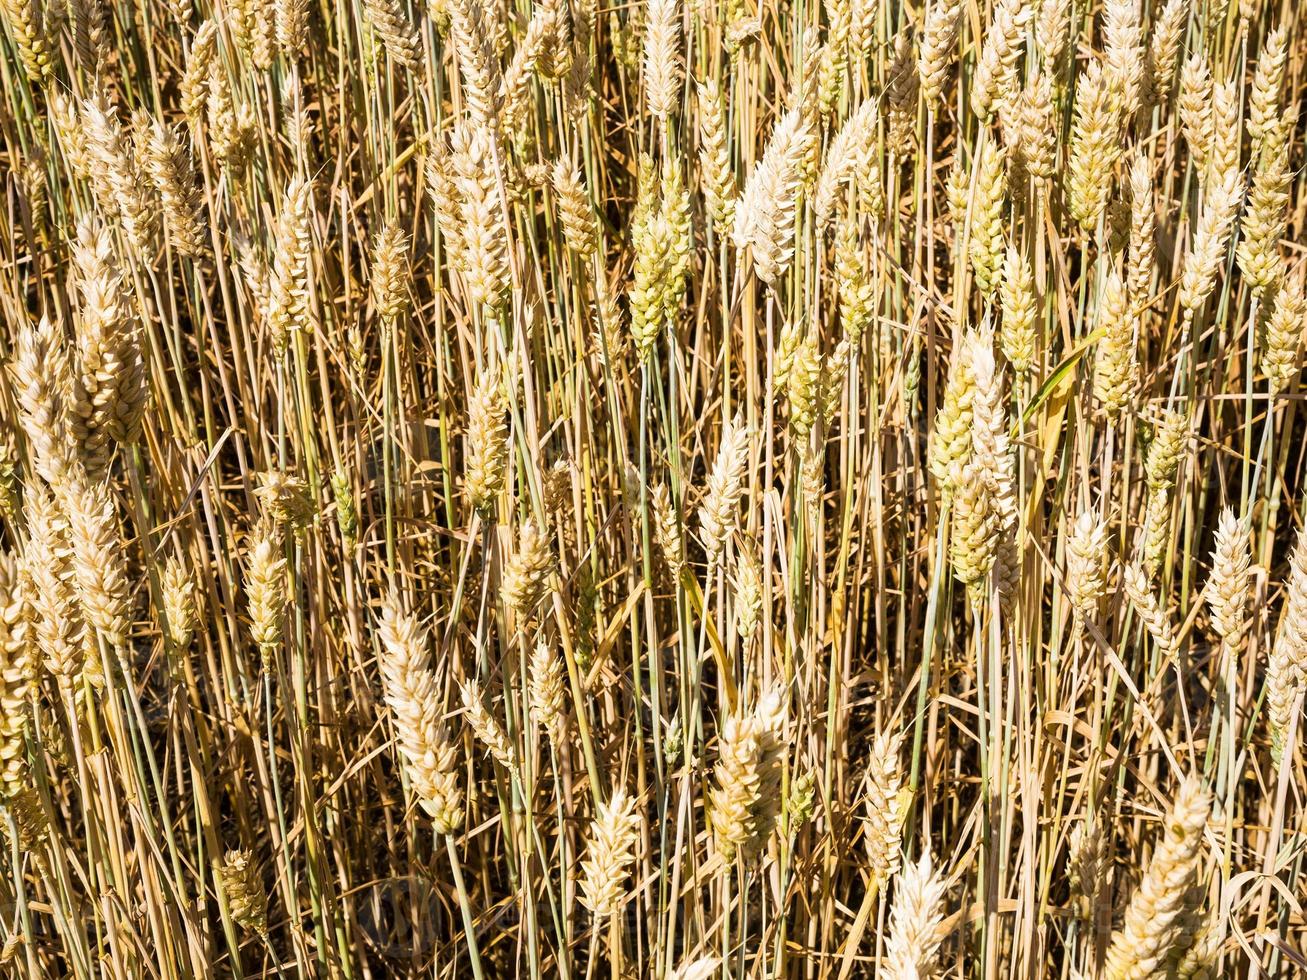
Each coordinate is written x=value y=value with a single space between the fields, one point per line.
x=670 y=489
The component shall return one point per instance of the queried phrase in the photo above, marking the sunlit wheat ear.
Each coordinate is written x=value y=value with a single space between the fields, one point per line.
x=430 y=758
x=1266 y=216
x=288 y=309
x=985 y=247
x=609 y=851
x=56 y=614
x=527 y=56
x=717 y=175
x=667 y=529
x=390 y=274
x=478 y=65
x=483 y=239
x=175 y=178
x=939 y=41
x=575 y=213
x=99 y=564
x=744 y=802
x=1264 y=92
x=764 y=217
x=43 y=381
x=1086 y=564
x=718 y=513
x=1124 y=52
x=1086 y=867
x=916 y=923
x=662 y=57
x=181 y=609
x=527 y=571
x=1286 y=668
x=1154 y=917
x=1037 y=127
x=1154 y=617
x=18 y=676
x=1164 y=47
x=1227 y=131
x=1018 y=336
x=1283 y=339
x=246 y=898
x=120 y=186
x=1215 y=225
x=885 y=808
x=849 y=144
x=548 y=690
x=284 y=500
x=486 y=443
x=486 y=727
x=392 y=26
x=1143 y=233
x=747 y=596
x=995 y=76
x=110 y=391
x=266 y=588
x=1116 y=362
x=1094 y=148
x=950 y=444
x=1229 y=589
x=1195 y=109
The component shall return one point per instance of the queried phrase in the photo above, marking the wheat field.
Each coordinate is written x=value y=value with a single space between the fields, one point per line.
x=655 y=490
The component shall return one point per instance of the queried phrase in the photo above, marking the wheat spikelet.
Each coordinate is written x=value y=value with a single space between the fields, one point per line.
x=1143 y=232
x=1211 y=239
x=548 y=691
x=1116 y=364
x=288 y=309
x=916 y=923
x=430 y=759
x=31 y=36
x=1154 y=915
x=1264 y=92
x=1283 y=337
x=1086 y=564
x=111 y=392
x=662 y=57
x=390 y=274
x=527 y=571
x=1195 y=109
x=43 y=379
x=120 y=186
x=715 y=159
x=478 y=65
x=743 y=804
x=610 y=848
x=392 y=26
x=486 y=727
x=994 y=80
x=1085 y=871
x=1095 y=146
x=748 y=593
x=181 y=612
x=1164 y=46
x=1229 y=591
x=1227 y=132
x=1124 y=53
x=483 y=246
x=99 y=566
x=1266 y=215
x=950 y=446
x=1018 y=336
x=853 y=279
x=18 y=675
x=486 y=453
x=241 y=884
x=173 y=172
x=266 y=589
x=575 y=214
x=884 y=809
x=1154 y=617
x=764 y=217
x=939 y=40
x=56 y=615
x=717 y=513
